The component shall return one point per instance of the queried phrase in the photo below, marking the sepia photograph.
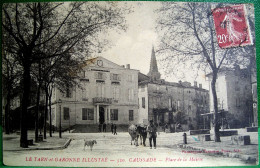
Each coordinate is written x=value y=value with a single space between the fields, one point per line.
x=129 y=84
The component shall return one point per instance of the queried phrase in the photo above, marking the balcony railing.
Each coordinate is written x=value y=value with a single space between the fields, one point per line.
x=102 y=100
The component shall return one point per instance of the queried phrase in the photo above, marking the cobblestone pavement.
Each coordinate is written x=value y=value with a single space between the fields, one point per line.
x=114 y=150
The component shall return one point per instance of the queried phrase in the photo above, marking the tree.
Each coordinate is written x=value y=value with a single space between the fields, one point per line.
x=44 y=30
x=188 y=39
x=10 y=79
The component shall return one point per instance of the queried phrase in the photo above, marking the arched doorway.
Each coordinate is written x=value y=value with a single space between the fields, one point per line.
x=101 y=115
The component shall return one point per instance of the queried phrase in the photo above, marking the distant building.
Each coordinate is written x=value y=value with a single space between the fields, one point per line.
x=254 y=94
x=107 y=94
x=160 y=100
x=234 y=92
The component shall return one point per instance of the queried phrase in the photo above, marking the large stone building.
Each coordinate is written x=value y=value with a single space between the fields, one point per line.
x=107 y=94
x=234 y=92
x=161 y=101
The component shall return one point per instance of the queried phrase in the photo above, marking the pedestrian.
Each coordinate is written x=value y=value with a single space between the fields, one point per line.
x=112 y=128
x=151 y=129
x=115 y=133
x=104 y=127
x=165 y=127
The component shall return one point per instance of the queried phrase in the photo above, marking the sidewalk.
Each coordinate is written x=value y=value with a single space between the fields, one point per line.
x=11 y=142
x=225 y=148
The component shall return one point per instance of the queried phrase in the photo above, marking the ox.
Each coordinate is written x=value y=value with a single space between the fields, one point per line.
x=136 y=132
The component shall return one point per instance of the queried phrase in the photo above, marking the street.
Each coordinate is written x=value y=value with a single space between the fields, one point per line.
x=116 y=151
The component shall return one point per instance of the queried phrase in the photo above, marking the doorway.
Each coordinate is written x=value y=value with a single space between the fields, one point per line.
x=101 y=115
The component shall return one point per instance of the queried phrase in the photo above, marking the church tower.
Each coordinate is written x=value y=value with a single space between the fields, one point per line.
x=153 y=72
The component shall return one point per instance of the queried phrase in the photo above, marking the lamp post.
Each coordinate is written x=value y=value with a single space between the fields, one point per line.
x=59 y=102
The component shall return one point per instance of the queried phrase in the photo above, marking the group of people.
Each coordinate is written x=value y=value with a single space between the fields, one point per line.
x=113 y=129
x=102 y=127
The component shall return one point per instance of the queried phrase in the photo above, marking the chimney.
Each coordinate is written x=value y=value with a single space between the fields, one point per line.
x=127 y=66
x=195 y=84
x=200 y=86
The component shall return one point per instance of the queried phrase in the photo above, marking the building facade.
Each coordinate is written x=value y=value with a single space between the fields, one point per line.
x=234 y=92
x=107 y=94
x=161 y=101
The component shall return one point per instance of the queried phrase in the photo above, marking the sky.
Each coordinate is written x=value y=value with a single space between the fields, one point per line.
x=135 y=45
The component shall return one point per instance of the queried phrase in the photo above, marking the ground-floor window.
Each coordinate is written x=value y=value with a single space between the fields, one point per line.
x=114 y=114
x=131 y=115
x=66 y=113
x=87 y=114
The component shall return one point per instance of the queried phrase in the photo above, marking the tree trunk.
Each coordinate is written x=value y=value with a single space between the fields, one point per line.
x=215 y=103
x=50 y=113
x=7 y=111
x=38 y=105
x=45 y=113
x=37 y=113
x=25 y=103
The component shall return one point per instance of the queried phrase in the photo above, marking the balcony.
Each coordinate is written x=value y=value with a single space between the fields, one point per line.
x=102 y=100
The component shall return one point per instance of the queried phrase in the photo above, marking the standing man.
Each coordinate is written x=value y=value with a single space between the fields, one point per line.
x=151 y=129
x=115 y=133
x=112 y=128
x=104 y=127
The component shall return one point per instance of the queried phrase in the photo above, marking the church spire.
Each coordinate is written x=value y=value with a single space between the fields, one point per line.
x=153 y=73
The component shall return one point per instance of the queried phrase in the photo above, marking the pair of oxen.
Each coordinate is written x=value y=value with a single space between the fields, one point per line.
x=137 y=131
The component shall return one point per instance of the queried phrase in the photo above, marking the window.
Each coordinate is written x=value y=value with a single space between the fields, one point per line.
x=170 y=102
x=116 y=93
x=157 y=88
x=85 y=92
x=131 y=115
x=66 y=113
x=130 y=94
x=83 y=74
x=142 y=88
x=100 y=90
x=178 y=105
x=100 y=75
x=87 y=114
x=130 y=78
x=115 y=77
x=68 y=92
x=143 y=102
x=114 y=114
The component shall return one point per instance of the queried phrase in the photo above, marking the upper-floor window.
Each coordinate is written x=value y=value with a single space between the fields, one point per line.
x=115 y=92
x=170 y=102
x=66 y=113
x=68 y=92
x=143 y=102
x=100 y=75
x=115 y=77
x=142 y=88
x=130 y=78
x=100 y=90
x=130 y=94
x=85 y=92
x=178 y=104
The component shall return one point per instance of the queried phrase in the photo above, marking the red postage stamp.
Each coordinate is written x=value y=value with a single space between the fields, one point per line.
x=231 y=26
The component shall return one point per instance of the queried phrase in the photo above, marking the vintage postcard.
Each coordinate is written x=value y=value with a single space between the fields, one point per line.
x=129 y=84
